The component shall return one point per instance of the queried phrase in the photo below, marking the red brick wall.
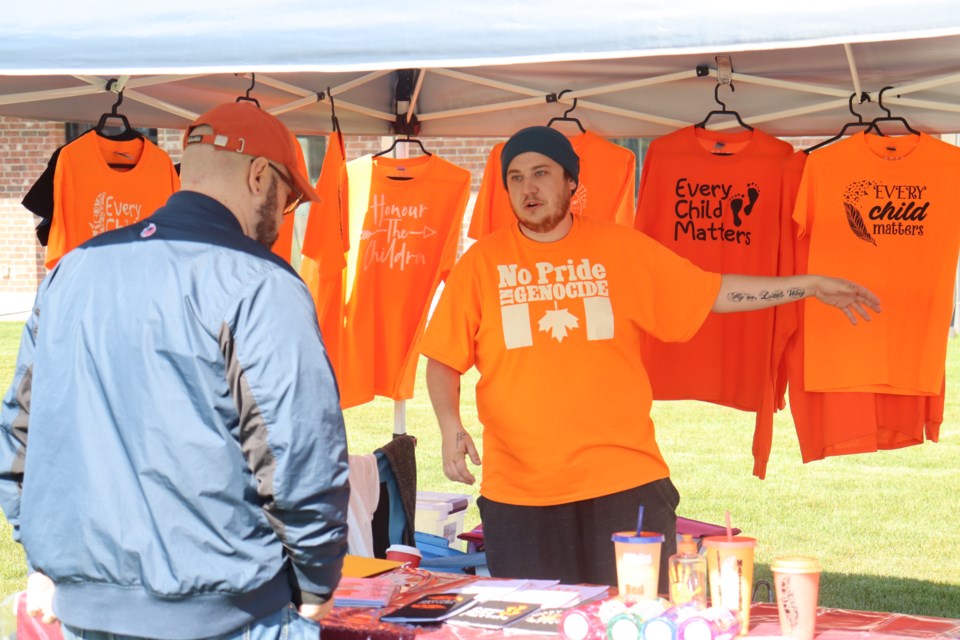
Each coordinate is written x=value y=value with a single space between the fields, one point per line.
x=357 y=146
x=25 y=148
x=171 y=141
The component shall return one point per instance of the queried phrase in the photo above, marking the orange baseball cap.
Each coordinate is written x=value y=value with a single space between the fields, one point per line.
x=246 y=128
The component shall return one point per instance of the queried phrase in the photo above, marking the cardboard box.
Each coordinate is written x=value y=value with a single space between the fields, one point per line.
x=441 y=514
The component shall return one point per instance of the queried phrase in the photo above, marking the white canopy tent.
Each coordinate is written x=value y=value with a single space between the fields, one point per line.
x=448 y=68
x=485 y=68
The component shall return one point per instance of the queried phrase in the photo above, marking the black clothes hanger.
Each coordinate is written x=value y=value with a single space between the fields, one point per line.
x=889 y=117
x=333 y=115
x=723 y=112
x=566 y=114
x=406 y=140
x=867 y=126
x=247 y=98
x=128 y=132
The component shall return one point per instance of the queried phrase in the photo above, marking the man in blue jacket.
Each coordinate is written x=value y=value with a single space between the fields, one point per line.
x=186 y=474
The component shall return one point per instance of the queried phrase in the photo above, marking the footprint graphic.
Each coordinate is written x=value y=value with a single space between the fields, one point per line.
x=736 y=204
x=752 y=194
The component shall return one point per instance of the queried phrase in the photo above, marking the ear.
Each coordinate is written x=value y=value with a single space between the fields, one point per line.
x=258 y=178
x=572 y=184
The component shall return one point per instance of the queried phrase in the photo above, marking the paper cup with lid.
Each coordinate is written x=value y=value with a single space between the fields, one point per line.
x=796 y=581
x=638 y=563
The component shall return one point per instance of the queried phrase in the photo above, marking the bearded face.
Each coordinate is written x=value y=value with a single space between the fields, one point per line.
x=551 y=215
x=268 y=218
x=540 y=192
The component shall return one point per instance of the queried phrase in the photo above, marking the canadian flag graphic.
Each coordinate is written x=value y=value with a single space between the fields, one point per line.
x=557 y=322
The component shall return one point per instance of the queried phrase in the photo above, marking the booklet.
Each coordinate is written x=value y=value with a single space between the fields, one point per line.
x=493 y=614
x=541 y=621
x=364 y=592
x=546 y=598
x=560 y=595
x=493 y=589
x=434 y=607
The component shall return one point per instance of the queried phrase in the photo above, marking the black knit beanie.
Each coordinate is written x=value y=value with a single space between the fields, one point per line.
x=545 y=140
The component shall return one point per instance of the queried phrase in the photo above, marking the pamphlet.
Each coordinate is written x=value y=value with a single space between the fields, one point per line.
x=493 y=614
x=434 y=607
x=560 y=595
x=493 y=589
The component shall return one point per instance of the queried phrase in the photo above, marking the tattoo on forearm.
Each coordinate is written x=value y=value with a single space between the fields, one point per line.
x=794 y=293
x=460 y=436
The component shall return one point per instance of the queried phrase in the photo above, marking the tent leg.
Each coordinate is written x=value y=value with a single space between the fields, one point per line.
x=399 y=417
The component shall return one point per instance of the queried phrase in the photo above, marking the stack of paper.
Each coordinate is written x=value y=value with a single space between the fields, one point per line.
x=558 y=595
x=485 y=590
x=364 y=592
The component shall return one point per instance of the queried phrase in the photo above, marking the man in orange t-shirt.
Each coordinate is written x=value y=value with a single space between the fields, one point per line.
x=551 y=312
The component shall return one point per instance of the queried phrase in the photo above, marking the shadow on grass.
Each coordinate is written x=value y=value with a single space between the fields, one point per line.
x=879 y=593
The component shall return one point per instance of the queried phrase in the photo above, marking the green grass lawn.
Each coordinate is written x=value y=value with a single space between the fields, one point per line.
x=883 y=525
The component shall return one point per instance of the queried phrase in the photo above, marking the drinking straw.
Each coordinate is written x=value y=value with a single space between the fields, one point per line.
x=729 y=528
x=640 y=521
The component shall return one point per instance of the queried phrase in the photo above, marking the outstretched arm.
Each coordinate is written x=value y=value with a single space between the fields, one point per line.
x=443 y=384
x=750 y=293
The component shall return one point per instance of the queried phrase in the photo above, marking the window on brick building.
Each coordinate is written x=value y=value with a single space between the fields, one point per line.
x=639 y=148
x=314 y=148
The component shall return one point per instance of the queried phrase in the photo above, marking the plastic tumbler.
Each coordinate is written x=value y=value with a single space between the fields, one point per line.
x=638 y=563
x=796 y=581
x=730 y=573
x=408 y=555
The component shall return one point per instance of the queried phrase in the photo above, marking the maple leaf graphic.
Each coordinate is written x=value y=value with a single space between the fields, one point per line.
x=557 y=321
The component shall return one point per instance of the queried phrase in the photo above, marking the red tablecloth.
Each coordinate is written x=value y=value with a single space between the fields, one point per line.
x=364 y=624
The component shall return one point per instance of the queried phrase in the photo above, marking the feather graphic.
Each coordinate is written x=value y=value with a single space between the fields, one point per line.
x=855 y=220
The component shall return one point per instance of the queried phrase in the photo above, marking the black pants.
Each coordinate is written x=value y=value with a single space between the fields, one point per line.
x=572 y=542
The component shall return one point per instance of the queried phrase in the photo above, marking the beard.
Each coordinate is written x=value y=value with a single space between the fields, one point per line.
x=552 y=219
x=267 y=226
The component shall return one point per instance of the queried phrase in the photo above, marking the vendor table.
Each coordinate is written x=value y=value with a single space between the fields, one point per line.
x=363 y=624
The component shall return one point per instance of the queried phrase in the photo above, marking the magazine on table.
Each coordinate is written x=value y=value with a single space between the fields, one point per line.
x=493 y=614
x=433 y=607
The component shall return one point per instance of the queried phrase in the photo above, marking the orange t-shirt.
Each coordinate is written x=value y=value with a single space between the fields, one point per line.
x=325 y=242
x=554 y=330
x=90 y=196
x=407 y=245
x=838 y=422
x=882 y=212
x=605 y=192
x=724 y=213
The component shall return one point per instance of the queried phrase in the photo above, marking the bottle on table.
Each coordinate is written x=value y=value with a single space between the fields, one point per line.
x=687 y=571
